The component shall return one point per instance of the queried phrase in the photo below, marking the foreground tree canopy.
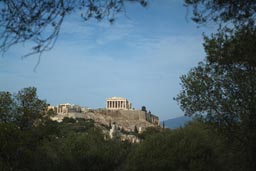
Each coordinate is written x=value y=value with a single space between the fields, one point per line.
x=24 y=108
x=39 y=21
x=221 y=89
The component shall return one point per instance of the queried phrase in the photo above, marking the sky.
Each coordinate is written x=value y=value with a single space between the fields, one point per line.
x=140 y=57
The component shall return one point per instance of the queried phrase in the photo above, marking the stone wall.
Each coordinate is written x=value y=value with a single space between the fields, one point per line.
x=126 y=114
x=133 y=115
x=152 y=119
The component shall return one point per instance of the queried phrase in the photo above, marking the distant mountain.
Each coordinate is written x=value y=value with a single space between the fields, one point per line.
x=176 y=122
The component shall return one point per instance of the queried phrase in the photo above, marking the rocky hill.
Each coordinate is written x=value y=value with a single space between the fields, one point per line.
x=125 y=119
x=176 y=122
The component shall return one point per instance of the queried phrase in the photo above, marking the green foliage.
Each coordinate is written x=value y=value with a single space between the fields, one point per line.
x=24 y=108
x=77 y=144
x=7 y=107
x=54 y=146
x=31 y=109
x=222 y=89
x=10 y=137
x=188 y=148
x=76 y=125
x=149 y=132
x=222 y=11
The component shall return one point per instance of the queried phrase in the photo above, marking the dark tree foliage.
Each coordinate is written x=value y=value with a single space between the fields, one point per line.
x=143 y=108
x=59 y=146
x=222 y=88
x=79 y=144
x=7 y=107
x=149 y=132
x=226 y=77
x=31 y=110
x=189 y=148
x=39 y=21
x=9 y=146
x=23 y=108
x=222 y=11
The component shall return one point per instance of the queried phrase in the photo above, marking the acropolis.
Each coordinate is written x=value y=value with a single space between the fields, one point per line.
x=117 y=110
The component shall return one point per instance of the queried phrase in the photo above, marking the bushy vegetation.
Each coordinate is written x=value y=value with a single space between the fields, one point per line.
x=77 y=144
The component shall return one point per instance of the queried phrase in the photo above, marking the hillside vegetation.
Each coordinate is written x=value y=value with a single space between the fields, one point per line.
x=29 y=140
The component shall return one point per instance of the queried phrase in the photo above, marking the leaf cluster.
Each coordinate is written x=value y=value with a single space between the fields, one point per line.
x=23 y=108
x=238 y=12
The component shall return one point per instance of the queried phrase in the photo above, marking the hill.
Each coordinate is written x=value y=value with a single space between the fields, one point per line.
x=176 y=122
x=125 y=119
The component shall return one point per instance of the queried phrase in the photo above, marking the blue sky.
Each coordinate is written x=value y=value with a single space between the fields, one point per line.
x=140 y=57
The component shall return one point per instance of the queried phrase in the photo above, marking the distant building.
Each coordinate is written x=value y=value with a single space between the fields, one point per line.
x=68 y=108
x=117 y=103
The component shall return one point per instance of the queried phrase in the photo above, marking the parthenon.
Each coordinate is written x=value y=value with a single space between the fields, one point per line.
x=115 y=103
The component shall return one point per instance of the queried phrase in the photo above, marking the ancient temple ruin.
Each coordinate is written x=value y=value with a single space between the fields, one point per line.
x=117 y=103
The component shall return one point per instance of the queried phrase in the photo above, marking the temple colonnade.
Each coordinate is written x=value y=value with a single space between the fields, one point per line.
x=117 y=103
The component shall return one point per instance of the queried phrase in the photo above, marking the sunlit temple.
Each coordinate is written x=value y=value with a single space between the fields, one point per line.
x=117 y=103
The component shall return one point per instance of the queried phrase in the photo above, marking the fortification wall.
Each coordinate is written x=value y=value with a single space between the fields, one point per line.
x=127 y=114
x=133 y=115
x=152 y=119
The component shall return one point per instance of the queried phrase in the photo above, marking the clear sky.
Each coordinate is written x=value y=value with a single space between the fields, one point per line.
x=140 y=57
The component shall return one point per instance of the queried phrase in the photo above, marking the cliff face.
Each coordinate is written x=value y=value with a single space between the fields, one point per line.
x=126 y=119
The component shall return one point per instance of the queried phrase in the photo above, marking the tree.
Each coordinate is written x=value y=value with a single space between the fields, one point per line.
x=188 y=148
x=32 y=110
x=222 y=89
x=238 y=12
x=7 y=107
x=24 y=108
x=136 y=130
x=143 y=108
x=39 y=21
x=10 y=137
x=149 y=132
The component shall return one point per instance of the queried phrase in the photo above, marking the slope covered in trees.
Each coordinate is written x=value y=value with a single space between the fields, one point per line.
x=77 y=144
